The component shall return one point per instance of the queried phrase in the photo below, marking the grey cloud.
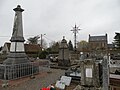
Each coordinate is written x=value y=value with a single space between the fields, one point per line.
x=55 y=18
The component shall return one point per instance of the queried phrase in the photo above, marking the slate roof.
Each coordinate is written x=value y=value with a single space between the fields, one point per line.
x=97 y=38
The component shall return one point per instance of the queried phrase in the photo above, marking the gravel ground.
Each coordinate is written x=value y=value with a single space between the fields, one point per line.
x=42 y=80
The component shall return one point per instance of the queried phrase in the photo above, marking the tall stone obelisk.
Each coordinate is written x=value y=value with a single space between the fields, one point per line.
x=17 y=53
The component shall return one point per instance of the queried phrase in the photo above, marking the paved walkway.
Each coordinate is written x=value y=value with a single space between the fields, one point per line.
x=42 y=80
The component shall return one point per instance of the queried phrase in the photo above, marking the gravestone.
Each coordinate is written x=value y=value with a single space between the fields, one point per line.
x=87 y=74
x=63 y=58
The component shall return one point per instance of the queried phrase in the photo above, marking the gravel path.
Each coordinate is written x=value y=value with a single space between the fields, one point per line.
x=40 y=81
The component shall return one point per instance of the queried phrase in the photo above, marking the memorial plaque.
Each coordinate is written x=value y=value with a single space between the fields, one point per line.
x=89 y=72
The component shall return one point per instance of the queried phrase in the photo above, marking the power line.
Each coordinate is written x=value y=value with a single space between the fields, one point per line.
x=24 y=35
x=30 y=36
x=48 y=38
x=5 y=36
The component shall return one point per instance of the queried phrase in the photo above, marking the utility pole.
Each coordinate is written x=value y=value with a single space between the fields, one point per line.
x=75 y=31
x=42 y=40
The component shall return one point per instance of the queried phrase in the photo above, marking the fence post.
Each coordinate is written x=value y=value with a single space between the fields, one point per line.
x=32 y=76
x=5 y=82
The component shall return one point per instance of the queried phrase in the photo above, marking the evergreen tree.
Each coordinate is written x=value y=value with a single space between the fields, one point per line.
x=1 y=48
x=117 y=40
x=70 y=45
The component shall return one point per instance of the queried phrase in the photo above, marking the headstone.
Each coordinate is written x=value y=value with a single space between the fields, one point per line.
x=81 y=56
x=63 y=58
x=87 y=74
x=66 y=80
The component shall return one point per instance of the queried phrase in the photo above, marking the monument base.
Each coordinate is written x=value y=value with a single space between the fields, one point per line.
x=17 y=65
x=16 y=58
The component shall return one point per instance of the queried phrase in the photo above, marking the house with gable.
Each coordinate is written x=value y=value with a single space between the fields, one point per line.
x=98 y=42
x=98 y=46
x=32 y=50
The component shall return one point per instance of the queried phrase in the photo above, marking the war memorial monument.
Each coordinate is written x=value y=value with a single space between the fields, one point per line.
x=17 y=63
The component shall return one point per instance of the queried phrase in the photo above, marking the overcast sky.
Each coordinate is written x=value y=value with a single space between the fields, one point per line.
x=55 y=18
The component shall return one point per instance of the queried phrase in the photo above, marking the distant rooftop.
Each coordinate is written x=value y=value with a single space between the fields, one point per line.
x=98 y=38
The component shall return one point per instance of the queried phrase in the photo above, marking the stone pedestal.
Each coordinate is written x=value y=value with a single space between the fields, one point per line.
x=16 y=58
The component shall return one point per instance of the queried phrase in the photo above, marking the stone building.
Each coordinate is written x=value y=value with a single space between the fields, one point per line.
x=98 y=42
x=98 y=46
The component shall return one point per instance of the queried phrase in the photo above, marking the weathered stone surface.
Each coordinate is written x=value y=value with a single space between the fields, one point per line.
x=17 y=54
x=105 y=73
x=89 y=74
x=63 y=59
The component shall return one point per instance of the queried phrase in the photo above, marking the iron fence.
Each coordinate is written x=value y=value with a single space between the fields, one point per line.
x=16 y=71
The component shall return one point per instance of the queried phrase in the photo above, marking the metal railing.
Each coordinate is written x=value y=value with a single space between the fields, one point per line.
x=16 y=71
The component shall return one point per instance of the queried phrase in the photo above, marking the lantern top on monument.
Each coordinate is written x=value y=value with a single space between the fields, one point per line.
x=18 y=8
x=63 y=40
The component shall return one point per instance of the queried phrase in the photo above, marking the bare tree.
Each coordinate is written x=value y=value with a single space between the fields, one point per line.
x=83 y=45
x=54 y=46
x=33 y=40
